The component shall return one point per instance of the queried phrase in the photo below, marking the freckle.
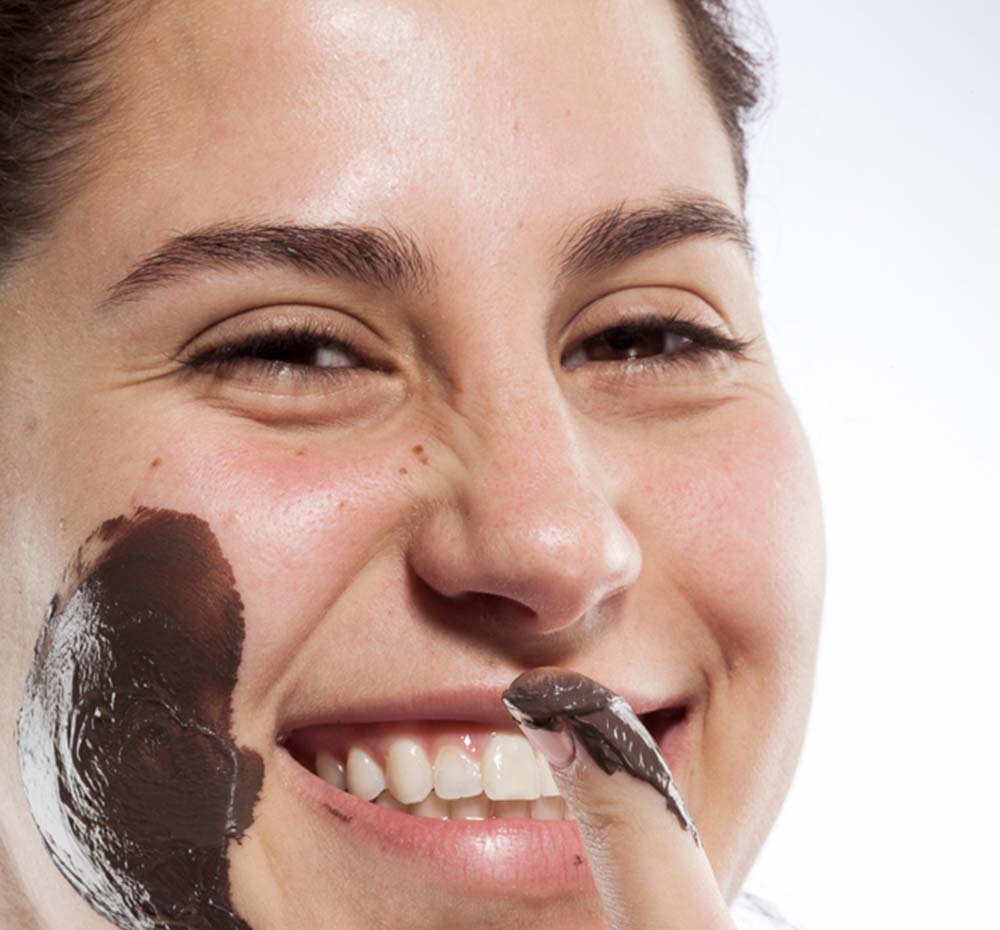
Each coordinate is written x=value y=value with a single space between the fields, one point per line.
x=517 y=125
x=155 y=463
x=300 y=452
x=31 y=424
x=403 y=471
x=417 y=450
x=341 y=505
x=520 y=224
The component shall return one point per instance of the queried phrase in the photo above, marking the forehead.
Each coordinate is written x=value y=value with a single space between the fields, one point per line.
x=430 y=115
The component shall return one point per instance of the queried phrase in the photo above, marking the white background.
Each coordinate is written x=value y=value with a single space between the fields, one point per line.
x=875 y=195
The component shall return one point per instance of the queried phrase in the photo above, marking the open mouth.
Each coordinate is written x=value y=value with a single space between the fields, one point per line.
x=445 y=770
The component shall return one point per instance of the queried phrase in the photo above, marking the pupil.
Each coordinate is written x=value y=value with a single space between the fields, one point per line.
x=298 y=352
x=634 y=343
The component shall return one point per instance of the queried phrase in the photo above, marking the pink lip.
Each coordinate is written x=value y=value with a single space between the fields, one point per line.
x=532 y=859
x=480 y=703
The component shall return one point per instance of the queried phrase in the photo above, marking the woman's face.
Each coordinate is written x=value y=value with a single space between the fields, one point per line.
x=477 y=482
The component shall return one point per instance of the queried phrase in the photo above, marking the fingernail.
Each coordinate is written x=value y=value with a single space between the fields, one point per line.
x=556 y=746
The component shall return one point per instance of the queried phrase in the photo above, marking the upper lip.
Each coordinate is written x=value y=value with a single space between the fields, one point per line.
x=479 y=703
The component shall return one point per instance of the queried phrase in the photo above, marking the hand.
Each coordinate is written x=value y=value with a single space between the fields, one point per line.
x=646 y=858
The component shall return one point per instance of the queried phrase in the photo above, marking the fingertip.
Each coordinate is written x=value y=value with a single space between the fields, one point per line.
x=556 y=745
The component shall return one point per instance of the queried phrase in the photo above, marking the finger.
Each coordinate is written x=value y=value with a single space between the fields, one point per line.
x=642 y=847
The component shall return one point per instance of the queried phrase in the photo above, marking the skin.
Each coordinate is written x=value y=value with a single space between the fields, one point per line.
x=661 y=529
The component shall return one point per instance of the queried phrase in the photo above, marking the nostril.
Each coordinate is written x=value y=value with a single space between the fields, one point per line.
x=497 y=607
x=544 y=554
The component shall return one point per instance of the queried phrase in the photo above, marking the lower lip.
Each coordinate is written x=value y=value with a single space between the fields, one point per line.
x=530 y=858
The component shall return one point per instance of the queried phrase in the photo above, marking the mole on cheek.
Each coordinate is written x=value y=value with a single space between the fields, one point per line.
x=125 y=743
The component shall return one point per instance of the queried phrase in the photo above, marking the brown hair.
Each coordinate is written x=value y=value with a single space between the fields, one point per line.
x=733 y=69
x=56 y=94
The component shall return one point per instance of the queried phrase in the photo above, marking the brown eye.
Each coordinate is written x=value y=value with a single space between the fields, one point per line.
x=295 y=350
x=653 y=341
x=627 y=343
x=298 y=352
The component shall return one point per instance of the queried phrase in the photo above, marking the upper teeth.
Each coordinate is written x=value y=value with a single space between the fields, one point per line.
x=456 y=774
x=408 y=772
x=512 y=780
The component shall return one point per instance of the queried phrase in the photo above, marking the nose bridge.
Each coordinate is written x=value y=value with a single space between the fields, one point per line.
x=533 y=518
x=529 y=451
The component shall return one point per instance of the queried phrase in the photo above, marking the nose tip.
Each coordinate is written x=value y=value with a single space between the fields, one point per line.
x=564 y=567
x=539 y=545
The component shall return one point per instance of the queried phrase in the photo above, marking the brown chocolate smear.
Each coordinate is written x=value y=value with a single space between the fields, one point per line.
x=125 y=738
x=602 y=721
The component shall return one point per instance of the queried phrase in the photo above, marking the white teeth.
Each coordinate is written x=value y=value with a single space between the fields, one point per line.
x=510 y=779
x=330 y=769
x=511 y=809
x=385 y=799
x=548 y=783
x=477 y=808
x=431 y=806
x=548 y=808
x=510 y=771
x=456 y=774
x=408 y=773
x=365 y=778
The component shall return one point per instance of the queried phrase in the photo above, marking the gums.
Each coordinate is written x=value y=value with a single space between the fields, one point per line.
x=128 y=761
x=602 y=721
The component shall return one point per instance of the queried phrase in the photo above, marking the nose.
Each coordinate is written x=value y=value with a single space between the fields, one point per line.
x=530 y=533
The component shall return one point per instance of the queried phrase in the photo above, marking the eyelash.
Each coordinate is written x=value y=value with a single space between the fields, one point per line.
x=705 y=344
x=250 y=350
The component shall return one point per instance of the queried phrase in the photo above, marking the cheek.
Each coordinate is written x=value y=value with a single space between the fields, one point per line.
x=124 y=736
x=735 y=542
x=299 y=523
x=738 y=532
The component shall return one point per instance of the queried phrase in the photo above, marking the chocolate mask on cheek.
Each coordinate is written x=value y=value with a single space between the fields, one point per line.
x=127 y=756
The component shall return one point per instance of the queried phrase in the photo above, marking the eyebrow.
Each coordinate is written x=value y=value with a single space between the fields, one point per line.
x=385 y=259
x=390 y=260
x=614 y=236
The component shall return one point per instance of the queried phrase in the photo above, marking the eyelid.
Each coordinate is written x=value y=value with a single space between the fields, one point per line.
x=707 y=341
x=237 y=351
x=289 y=390
x=680 y=325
